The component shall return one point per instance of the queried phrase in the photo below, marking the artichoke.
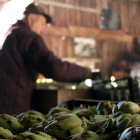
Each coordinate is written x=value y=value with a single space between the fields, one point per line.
x=97 y=118
x=79 y=108
x=83 y=113
x=54 y=110
x=90 y=135
x=131 y=133
x=28 y=120
x=126 y=107
x=87 y=135
x=99 y=123
x=38 y=127
x=105 y=108
x=110 y=136
x=5 y=133
x=93 y=109
x=11 y=123
x=32 y=136
x=64 y=126
x=120 y=123
x=56 y=115
x=31 y=112
x=126 y=120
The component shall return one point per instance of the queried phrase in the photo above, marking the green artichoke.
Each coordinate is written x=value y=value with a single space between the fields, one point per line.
x=79 y=108
x=5 y=133
x=97 y=118
x=120 y=123
x=38 y=127
x=103 y=123
x=131 y=133
x=83 y=113
x=126 y=107
x=11 y=123
x=31 y=112
x=126 y=120
x=28 y=120
x=87 y=135
x=64 y=126
x=56 y=115
x=90 y=135
x=33 y=136
x=110 y=136
x=105 y=108
x=93 y=109
x=54 y=110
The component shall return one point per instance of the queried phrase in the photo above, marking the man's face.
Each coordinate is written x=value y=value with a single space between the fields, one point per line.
x=37 y=23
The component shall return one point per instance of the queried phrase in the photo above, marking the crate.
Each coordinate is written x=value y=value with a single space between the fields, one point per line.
x=71 y=104
x=127 y=89
x=43 y=99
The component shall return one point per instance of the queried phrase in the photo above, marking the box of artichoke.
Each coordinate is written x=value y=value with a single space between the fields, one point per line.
x=75 y=120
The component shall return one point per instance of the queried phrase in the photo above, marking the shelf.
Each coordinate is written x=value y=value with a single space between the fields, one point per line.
x=100 y=34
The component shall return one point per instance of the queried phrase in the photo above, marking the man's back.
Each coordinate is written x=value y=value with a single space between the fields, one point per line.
x=24 y=54
x=17 y=77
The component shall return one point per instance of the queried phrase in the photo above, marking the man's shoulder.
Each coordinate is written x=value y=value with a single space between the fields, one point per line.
x=25 y=31
x=21 y=29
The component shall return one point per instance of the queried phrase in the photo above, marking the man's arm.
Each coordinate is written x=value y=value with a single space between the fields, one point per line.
x=44 y=61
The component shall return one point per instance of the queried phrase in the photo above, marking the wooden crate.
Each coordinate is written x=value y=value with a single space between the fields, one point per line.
x=43 y=99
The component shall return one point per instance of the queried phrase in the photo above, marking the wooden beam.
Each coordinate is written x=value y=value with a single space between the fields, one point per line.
x=100 y=34
x=68 y=6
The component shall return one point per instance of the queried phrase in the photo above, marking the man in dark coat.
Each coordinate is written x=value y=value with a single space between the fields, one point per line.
x=23 y=56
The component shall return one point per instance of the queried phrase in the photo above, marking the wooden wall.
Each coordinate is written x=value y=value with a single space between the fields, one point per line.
x=81 y=18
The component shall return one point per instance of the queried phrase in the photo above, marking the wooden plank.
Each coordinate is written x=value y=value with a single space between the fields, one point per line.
x=61 y=47
x=54 y=47
x=122 y=15
x=69 y=47
x=114 y=5
x=78 y=18
x=98 y=6
x=73 y=31
x=69 y=6
x=104 y=4
x=100 y=34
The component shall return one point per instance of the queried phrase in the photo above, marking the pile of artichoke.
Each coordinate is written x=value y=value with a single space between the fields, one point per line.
x=105 y=121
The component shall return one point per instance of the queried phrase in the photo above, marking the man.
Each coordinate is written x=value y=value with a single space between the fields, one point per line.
x=23 y=56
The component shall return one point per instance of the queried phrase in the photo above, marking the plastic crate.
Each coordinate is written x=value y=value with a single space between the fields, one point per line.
x=126 y=89
x=71 y=104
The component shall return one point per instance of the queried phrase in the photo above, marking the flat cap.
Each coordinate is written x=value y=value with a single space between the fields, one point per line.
x=36 y=9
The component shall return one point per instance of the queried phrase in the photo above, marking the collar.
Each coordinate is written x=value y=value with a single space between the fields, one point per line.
x=20 y=23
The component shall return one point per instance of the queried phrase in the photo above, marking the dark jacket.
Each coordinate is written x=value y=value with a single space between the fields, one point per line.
x=22 y=57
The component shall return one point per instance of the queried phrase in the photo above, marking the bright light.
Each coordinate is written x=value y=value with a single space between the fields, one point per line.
x=114 y=84
x=63 y=37
x=95 y=70
x=112 y=78
x=49 y=80
x=38 y=81
x=11 y=12
x=43 y=80
x=73 y=87
x=88 y=82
